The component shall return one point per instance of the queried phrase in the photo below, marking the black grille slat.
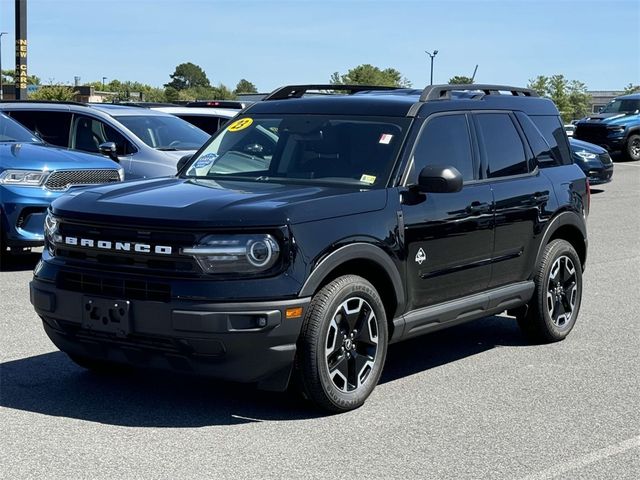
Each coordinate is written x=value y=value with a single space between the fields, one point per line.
x=63 y=179
x=113 y=287
x=167 y=264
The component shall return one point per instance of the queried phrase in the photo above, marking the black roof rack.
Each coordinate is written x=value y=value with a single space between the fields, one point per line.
x=62 y=102
x=297 y=91
x=443 y=92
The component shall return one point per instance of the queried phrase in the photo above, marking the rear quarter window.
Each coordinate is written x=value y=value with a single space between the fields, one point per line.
x=555 y=136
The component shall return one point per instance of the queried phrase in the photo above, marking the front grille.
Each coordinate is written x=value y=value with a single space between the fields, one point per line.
x=591 y=132
x=105 y=259
x=113 y=287
x=605 y=158
x=63 y=179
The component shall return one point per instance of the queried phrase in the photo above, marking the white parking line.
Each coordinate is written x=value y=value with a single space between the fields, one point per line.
x=585 y=460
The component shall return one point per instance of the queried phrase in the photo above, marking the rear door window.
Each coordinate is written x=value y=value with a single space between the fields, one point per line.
x=500 y=145
x=52 y=127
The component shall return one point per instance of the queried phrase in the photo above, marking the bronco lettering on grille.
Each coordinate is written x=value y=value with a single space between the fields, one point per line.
x=118 y=246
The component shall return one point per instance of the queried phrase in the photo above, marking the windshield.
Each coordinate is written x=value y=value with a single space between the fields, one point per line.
x=627 y=105
x=164 y=132
x=317 y=149
x=12 y=131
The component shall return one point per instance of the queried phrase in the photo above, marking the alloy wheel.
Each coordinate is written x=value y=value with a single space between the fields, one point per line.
x=562 y=291
x=351 y=346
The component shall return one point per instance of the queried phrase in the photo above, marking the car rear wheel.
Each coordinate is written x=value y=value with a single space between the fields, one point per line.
x=553 y=310
x=633 y=147
x=343 y=344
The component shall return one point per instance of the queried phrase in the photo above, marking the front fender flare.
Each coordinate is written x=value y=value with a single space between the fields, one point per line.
x=356 y=251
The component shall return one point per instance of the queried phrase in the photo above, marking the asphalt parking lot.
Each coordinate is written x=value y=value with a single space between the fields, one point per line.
x=471 y=402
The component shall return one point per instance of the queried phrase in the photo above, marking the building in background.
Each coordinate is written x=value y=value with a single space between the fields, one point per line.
x=84 y=94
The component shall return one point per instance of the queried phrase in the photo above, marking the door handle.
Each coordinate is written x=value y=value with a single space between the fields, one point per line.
x=541 y=197
x=478 y=207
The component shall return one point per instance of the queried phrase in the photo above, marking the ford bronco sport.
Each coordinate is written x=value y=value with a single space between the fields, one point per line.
x=312 y=231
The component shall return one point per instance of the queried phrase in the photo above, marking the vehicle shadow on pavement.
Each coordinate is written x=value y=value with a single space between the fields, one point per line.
x=439 y=348
x=19 y=262
x=51 y=384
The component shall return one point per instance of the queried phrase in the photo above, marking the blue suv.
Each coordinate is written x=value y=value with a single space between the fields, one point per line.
x=616 y=127
x=32 y=175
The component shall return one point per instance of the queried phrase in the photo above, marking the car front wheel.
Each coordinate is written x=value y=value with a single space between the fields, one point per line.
x=343 y=344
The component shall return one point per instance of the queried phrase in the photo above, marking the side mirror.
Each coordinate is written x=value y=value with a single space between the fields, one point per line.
x=183 y=161
x=439 y=179
x=110 y=150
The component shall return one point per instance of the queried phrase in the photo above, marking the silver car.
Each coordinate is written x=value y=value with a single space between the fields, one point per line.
x=146 y=143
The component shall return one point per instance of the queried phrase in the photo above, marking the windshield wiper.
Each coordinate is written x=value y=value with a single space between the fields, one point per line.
x=167 y=149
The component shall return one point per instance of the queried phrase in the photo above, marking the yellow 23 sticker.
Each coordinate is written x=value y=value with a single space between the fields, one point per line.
x=240 y=124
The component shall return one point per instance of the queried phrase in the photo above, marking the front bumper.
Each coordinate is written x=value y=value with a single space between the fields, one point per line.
x=246 y=342
x=23 y=212
x=598 y=176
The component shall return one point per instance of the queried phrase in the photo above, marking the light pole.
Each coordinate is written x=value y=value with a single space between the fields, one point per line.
x=1 y=87
x=432 y=55
x=103 y=79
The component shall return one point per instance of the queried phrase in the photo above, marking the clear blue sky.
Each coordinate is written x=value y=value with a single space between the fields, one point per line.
x=277 y=42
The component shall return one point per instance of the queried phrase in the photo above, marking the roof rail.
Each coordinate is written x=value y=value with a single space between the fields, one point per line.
x=297 y=91
x=443 y=92
x=63 y=102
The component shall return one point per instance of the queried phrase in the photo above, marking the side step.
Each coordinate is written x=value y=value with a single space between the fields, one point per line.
x=453 y=312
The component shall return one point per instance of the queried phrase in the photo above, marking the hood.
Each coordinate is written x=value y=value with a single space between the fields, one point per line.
x=33 y=156
x=613 y=118
x=579 y=145
x=179 y=202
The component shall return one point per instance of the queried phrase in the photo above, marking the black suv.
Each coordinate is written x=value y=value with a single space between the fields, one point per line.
x=314 y=230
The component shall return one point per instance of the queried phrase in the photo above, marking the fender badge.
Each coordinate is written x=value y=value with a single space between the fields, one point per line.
x=420 y=256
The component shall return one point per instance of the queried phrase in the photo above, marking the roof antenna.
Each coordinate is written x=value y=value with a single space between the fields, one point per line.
x=474 y=73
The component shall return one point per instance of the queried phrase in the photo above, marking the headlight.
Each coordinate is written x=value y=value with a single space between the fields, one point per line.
x=616 y=128
x=33 y=178
x=586 y=155
x=51 y=234
x=235 y=253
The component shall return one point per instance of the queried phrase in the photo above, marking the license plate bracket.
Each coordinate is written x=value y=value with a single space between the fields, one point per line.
x=106 y=315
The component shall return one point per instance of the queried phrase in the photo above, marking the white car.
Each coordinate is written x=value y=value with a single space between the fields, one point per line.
x=205 y=118
x=568 y=128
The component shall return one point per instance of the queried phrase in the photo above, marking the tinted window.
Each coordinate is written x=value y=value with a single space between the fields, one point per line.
x=500 y=145
x=88 y=133
x=52 y=127
x=12 y=131
x=207 y=123
x=445 y=140
x=553 y=131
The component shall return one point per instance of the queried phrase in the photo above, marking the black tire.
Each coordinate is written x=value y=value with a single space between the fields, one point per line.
x=554 y=307
x=632 y=147
x=101 y=367
x=328 y=345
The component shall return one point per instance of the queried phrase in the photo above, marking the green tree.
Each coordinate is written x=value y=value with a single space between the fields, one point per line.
x=631 y=88
x=460 y=80
x=60 y=93
x=9 y=75
x=367 y=74
x=570 y=96
x=188 y=75
x=245 y=86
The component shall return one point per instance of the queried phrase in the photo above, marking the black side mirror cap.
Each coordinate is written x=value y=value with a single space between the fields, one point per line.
x=110 y=150
x=439 y=179
x=183 y=161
